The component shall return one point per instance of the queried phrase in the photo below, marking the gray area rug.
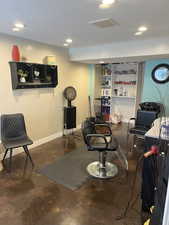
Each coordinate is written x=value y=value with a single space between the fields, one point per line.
x=70 y=170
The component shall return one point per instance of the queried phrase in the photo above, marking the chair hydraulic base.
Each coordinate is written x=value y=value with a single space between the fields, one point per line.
x=96 y=169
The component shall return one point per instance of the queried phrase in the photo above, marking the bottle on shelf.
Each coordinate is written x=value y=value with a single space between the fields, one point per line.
x=124 y=92
x=115 y=91
x=120 y=91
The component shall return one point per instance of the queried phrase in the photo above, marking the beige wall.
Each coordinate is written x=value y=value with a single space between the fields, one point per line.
x=42 y=108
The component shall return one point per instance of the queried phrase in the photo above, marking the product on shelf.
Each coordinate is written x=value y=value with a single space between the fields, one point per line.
x=132 y=82
x=116 y=91
x=120 y=91
x=131 y=71
x=105 y=92
x=124 y=92
x=106 y=69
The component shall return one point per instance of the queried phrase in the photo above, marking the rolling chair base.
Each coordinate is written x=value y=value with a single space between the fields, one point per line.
x=96 y=170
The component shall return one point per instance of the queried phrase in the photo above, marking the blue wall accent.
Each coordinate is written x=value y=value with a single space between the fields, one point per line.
x=153 y=91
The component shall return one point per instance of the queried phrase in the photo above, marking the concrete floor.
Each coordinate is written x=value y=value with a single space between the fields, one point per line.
x=33 y=199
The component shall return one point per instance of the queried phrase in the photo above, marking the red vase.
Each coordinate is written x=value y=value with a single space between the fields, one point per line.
x=15 y=53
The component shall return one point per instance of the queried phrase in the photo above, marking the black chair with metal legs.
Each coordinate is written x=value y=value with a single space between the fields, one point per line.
x=14 y=135
x=102 y=143
x=142 y=123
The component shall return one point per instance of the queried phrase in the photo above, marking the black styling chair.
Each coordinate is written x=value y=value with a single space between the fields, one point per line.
x=142 y=123
x=13 y=135
x=98 y=137
x=152 y=106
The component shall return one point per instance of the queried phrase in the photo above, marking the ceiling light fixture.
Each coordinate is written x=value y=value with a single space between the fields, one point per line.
x=101 y=62
x=69 y=40
x=15 y=29
x=108 y=2
x=19 y=25
x=142 y=28
x=138 y=33
x=104 y=6
x=65 y=44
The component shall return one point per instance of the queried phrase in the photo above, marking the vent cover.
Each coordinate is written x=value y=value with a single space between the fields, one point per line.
x=104 y=23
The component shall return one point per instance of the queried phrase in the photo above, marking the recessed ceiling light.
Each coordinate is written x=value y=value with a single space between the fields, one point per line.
x=15 y=29
x=142 y=28
x=65 y=44
x=138 y=33
x=104 y=6
x=101 y=62
x=19 y=25
x=108 y=2
x=69 y=40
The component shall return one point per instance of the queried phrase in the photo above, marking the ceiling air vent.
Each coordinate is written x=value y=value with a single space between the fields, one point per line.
x=104 y=23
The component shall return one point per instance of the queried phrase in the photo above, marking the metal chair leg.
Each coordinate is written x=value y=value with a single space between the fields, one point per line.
x=5 y=155
x=3 y=163
x=102 y=159
x=128 y=133
x=133 y=143
x=10 y=161
x=28 y=154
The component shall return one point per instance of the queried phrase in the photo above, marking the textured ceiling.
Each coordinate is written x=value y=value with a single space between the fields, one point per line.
x=53 y=21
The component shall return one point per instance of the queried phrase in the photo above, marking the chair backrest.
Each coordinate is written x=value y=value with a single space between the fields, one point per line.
x=151 y=106
x=12 y=126
x=87 y=128
x=145 y=118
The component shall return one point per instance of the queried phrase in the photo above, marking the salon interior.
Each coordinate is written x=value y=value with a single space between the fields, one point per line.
x=84 y=112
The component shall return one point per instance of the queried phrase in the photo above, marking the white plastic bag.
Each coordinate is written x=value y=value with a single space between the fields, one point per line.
x=115 y=118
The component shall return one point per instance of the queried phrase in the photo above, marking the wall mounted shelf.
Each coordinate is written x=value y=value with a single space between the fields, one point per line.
x=32 y=75
x=132 y=97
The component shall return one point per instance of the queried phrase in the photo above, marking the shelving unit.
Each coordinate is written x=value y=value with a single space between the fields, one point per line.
x=106 y=91
x=119 y=90
x=33 y=75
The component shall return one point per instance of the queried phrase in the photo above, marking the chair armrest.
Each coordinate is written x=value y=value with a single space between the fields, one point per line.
x=90 y=136
x=104 y=125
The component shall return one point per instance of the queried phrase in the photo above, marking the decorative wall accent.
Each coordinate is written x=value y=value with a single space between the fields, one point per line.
x=15 y=53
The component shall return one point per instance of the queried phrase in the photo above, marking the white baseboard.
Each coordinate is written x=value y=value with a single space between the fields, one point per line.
x=42 y=141
x=45 y=139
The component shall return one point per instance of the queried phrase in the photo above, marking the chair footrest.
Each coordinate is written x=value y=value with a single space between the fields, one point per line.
x=96 y=169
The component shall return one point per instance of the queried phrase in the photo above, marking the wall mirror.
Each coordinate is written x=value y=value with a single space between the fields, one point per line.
x=160 y=73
